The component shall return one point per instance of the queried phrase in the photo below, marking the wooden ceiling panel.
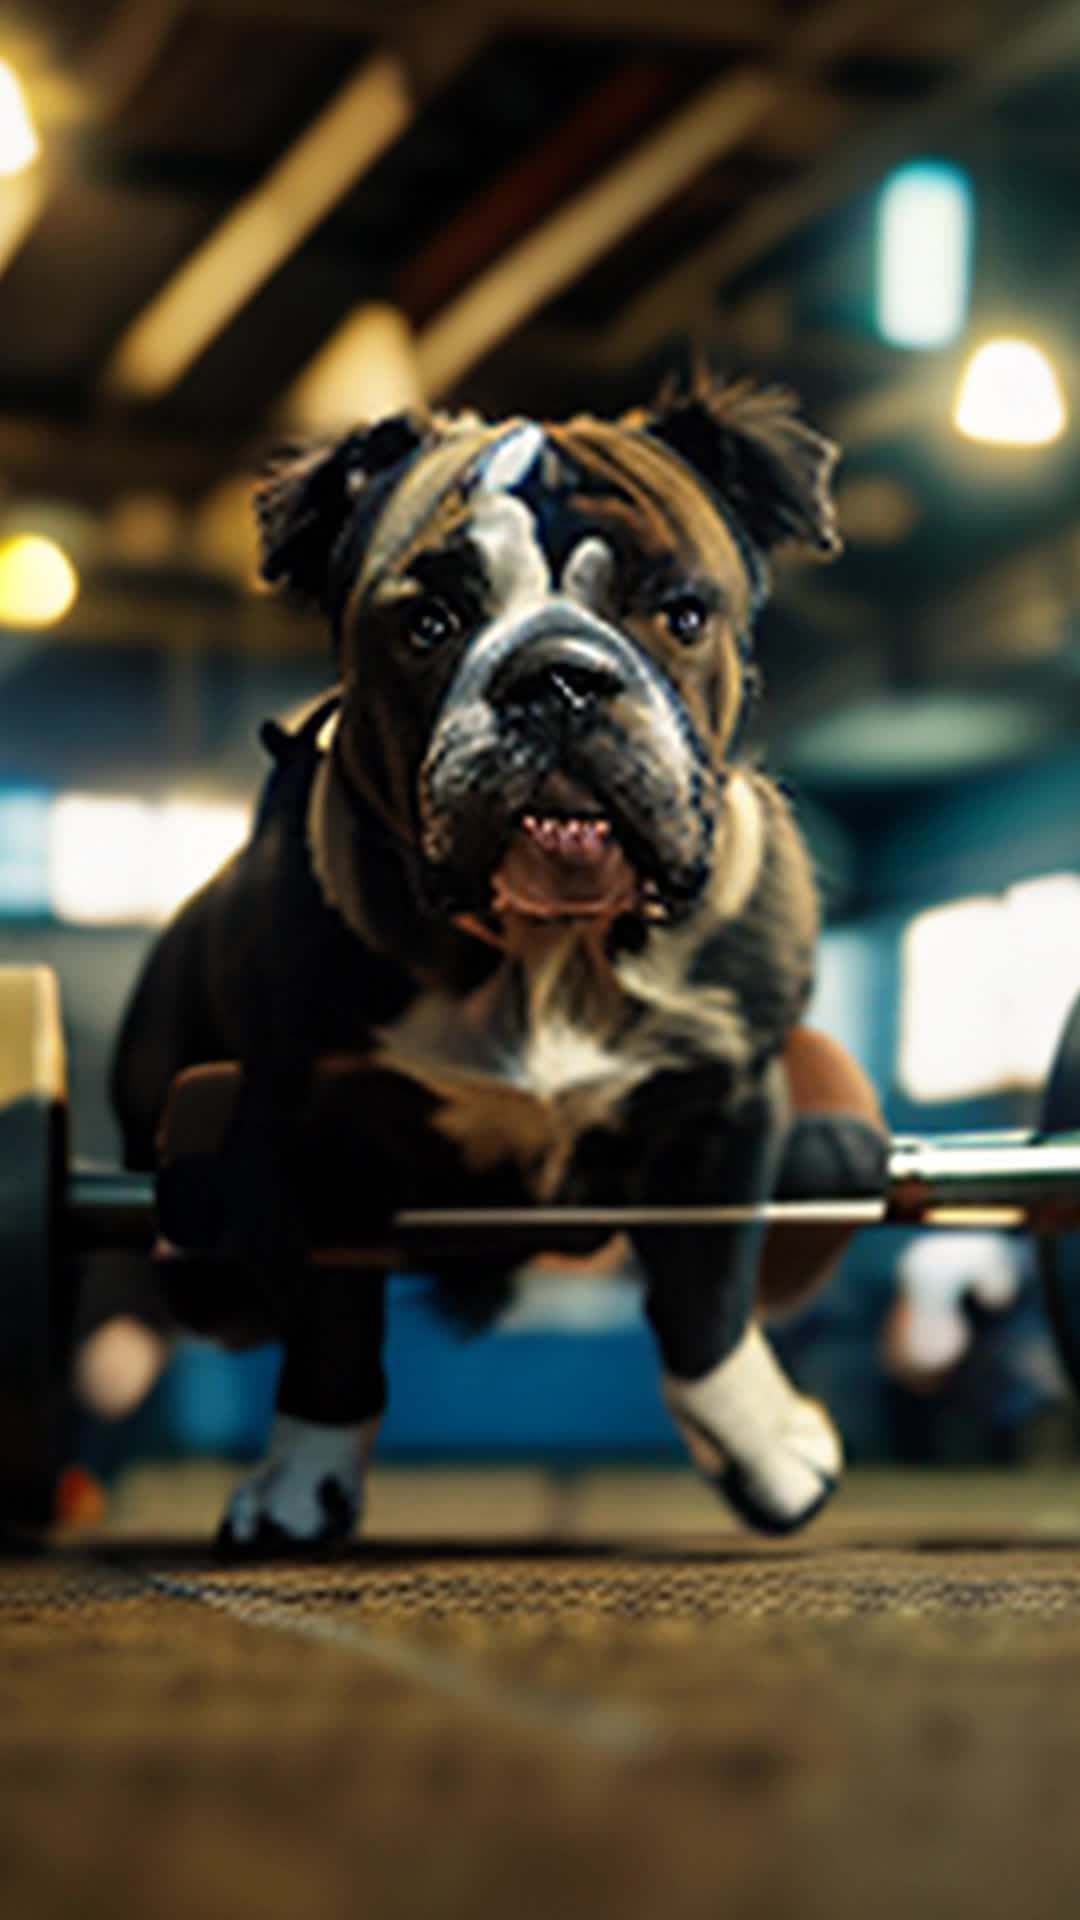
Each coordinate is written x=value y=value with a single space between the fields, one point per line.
x=232 y=90
x=933 y=32
x=234 y=385
x=55 y=31
x=811 y=116
x=97 y=252
x=512 y=98
x=622 y=107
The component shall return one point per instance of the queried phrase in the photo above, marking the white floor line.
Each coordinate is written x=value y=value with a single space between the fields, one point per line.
x=617 y=1732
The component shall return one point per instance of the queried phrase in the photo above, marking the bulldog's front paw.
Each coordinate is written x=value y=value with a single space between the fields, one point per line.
x=309 y=1492
x=773 y=1454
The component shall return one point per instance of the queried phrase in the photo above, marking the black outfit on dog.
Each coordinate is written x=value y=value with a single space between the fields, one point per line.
x=298 y=972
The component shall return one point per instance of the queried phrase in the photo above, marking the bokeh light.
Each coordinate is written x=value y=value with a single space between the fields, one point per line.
x=1010 y=395
x=19 y=144
x=924 y=246
x=38 y=583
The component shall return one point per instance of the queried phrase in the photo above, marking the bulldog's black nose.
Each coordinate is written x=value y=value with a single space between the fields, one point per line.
x=561 y=681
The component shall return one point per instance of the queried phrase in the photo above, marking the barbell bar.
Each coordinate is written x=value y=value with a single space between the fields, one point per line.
x=990 y=1180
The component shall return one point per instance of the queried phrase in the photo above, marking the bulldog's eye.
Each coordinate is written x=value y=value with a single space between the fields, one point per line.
x=430 y=623
x=686 y=617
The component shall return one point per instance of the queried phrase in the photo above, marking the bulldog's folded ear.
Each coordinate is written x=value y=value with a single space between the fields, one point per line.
x=308 y=495
x=765 y=465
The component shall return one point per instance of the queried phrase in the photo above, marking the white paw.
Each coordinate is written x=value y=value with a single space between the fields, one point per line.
x=308 y=1492
x=774 y=1454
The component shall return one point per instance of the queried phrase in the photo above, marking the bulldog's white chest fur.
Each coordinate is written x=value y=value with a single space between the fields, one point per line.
x=511 y=1087
x=539 y=1056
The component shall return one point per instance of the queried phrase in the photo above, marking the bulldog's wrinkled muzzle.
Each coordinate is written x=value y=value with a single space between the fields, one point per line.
x=561 y=636
x=564 y=775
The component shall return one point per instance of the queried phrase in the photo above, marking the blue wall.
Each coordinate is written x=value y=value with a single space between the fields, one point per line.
x=979 y=835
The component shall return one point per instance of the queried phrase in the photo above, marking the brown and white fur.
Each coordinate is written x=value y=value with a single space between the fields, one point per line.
x=517 y=863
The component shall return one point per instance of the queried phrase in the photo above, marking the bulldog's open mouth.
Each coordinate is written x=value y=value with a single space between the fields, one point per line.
x=564 y=860
x=564 y=869
x=567 y=849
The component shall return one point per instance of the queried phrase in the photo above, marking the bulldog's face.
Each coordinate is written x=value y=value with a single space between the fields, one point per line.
x=542 y=633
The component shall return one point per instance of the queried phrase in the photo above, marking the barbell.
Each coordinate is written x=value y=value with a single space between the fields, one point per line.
x=54 y=1213
x=993 y=1180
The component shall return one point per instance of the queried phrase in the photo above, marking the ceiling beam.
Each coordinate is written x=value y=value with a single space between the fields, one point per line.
x=187 y=622
x=708 y=22
x=1020 y=54
x=579 y=233
x=90 y=461
x=214 y=283
x=564 y=245
x=134 y=36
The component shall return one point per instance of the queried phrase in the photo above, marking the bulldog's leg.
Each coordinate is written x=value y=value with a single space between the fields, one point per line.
x=774 y=1454
x=309 y=1491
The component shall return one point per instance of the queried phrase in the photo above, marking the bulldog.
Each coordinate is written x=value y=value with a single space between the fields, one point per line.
x=516 y=861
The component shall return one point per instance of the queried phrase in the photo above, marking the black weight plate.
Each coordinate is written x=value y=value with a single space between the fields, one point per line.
x=33 y=1307
x=1059 y=1258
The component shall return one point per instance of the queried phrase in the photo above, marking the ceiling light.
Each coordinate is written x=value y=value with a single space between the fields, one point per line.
x=1010 y=395
x=38 y=583
x=373 y=370
x=924 y=245
x=19 y=144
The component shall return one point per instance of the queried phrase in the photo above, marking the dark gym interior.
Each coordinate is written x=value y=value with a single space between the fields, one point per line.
x=556 y=1675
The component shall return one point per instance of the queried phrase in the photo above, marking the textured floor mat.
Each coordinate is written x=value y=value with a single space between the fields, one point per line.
x=881 y=1718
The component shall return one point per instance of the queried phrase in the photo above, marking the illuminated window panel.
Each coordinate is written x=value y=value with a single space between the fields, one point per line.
x=101 y=859
x=115 y=861
x=986 y=985
x=1043 y=919
x=24 y=839
x=952 y=1002
x=195 y=838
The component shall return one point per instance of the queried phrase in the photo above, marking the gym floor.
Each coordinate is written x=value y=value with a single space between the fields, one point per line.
x=567 y=1697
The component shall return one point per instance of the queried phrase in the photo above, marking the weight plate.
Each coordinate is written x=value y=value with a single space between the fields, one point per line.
x=1059 y=1258
x=34 y=1308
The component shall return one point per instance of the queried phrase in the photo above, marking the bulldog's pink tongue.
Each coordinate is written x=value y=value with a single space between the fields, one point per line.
x=559 y=867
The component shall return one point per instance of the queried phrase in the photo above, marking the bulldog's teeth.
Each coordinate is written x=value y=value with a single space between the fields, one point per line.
x=652 y=906
x=574 y=837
